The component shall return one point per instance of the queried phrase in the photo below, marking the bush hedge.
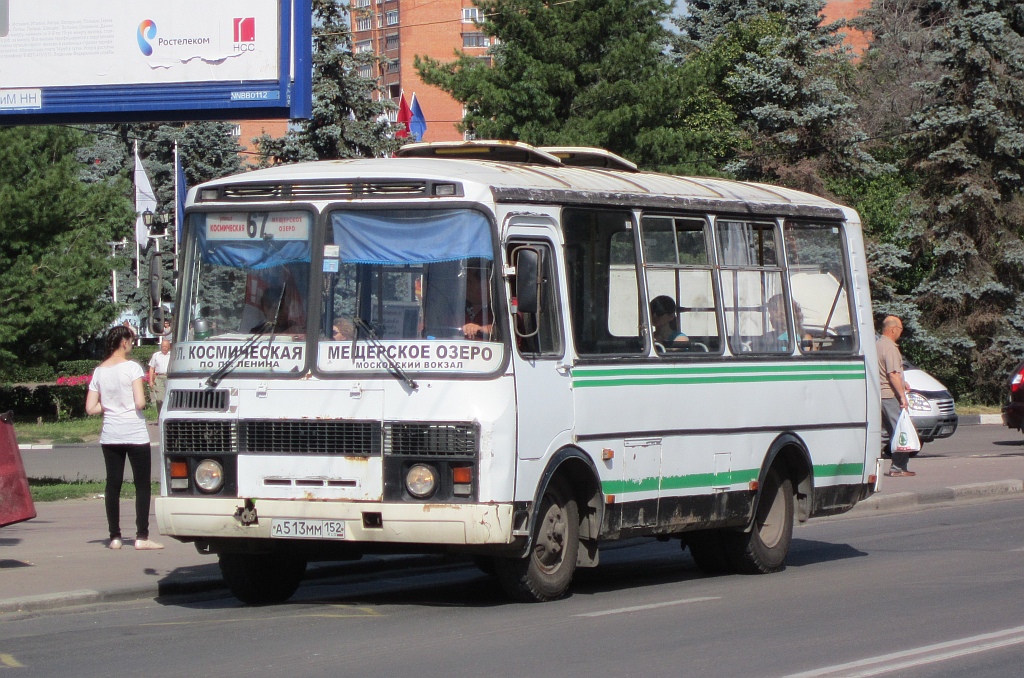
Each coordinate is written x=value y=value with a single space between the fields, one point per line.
x=74 y=368
x=21 y=374
x=49 y=402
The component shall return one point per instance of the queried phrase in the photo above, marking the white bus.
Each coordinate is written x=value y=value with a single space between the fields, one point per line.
x=452 y=350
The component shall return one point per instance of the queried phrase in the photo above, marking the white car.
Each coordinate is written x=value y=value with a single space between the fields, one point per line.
x=931 y=404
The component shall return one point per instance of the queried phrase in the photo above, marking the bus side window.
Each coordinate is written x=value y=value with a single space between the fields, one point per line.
x=820 y=286
x=537 y=333
x=604 y=298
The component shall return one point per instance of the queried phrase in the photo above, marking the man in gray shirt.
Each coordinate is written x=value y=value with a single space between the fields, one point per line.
x=894 y=390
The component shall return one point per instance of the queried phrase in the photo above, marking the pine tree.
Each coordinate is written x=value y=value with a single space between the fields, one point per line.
x=786 y=87
x=349 y=110
x=968 y=149
x=54 y=259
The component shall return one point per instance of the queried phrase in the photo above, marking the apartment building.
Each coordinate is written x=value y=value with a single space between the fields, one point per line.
x=399 y=30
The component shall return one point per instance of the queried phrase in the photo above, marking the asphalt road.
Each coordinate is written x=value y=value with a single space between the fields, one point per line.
x=928 y=593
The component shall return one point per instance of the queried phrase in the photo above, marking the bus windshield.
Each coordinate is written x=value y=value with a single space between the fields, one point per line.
x=418 y=286
x=248 y=282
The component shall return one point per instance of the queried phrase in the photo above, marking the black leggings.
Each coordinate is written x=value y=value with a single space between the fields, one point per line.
x=139 y=456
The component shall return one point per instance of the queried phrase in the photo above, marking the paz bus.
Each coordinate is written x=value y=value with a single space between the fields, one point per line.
x=454 y=350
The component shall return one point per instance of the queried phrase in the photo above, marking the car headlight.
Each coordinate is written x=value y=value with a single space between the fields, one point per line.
x=421 y=480
x=918 y=402
x=209 y=475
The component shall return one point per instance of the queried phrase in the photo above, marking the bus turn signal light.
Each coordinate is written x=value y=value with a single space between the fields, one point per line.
x=179 y=469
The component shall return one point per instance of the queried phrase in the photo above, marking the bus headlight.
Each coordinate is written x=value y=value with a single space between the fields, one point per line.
x=209 y=475
x=421 y=480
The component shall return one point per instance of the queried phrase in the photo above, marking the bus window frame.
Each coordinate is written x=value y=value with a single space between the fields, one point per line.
x=186 y=279
x=499 y=304
x=711 y=267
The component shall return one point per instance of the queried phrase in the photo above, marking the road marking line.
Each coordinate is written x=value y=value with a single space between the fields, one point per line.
x=10 y=662
x=652 y=606
x=928 y=654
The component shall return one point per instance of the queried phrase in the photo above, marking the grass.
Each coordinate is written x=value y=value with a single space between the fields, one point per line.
x=80 y=430
x=970 y=408
x=57 y=489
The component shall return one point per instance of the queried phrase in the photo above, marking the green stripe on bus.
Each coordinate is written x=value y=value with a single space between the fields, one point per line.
x=709 y=480
x=833 y=470
x=722 y=369
x=713 y=379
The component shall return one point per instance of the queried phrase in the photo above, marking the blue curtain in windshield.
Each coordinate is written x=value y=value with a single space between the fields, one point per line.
x=251 y=254
x=399 y=237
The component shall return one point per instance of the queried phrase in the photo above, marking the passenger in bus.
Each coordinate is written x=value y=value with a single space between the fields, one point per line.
x=665 y=323
x=479 y=320
x=343 y=330
x=277 y=314
x=777 y=338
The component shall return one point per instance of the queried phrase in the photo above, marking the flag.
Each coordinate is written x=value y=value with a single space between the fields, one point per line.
x=404 y=118
x=180 y=191
x=144 y=200
x=418 y=123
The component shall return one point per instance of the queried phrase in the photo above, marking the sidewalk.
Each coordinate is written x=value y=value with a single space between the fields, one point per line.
x=60 y=559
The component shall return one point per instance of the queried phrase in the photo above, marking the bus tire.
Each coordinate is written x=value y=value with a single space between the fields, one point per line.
x=262 y=578
x=763 y=549
x=707 y=548
x=546 y=572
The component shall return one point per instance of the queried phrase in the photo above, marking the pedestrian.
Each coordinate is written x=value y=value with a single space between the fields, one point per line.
x=117 y=393
x=894 y=390
x=158 y=373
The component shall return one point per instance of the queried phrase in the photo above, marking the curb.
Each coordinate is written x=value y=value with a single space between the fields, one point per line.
x=902 y=500
x=976 y=419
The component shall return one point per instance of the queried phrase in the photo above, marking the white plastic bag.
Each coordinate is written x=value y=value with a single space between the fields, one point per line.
x=904 y=436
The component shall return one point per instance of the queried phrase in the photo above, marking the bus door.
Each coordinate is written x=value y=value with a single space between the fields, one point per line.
x=542 y=376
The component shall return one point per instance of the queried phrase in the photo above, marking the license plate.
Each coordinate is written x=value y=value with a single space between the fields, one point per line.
x=307 y=529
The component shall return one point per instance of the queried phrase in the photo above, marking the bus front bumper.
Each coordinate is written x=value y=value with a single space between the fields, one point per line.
x=190 y=518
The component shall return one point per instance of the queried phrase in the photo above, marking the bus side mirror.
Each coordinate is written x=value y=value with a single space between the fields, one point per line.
x=527 y=263
x=156 y=277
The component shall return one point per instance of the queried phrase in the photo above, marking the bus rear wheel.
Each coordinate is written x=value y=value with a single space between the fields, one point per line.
x=763 y=549
x=262 y=578
x=546 y=572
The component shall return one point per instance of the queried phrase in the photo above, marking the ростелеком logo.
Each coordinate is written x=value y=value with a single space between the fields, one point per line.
x=147 y=29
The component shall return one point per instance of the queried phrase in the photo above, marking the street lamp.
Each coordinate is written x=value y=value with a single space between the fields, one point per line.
x=115 y=247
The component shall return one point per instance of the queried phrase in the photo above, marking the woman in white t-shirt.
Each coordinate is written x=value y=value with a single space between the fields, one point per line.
x=117 y=393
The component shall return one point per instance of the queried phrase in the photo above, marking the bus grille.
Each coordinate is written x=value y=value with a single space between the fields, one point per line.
x=312 y=437
x=206 y=400
x=212 y=437
x=431 y=440
x=946 y=406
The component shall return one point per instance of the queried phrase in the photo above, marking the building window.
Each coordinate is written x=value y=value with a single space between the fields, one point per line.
x=236 y=130
x=472 y=15
x=394 y=90
x=475 y=40
x=366 y=71
x=392 y=41
x=486 y=60
x=364 y=23
x=364 y=46
x=393 y=66
x=362 y=3
x=392 y=17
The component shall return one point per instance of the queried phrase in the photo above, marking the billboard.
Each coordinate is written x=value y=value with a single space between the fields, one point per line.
x=132 y=60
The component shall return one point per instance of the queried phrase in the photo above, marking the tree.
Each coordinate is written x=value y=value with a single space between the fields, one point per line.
x=968 y=149
x=54 y=259
x=589 y=72
x=349 y=110
x=785 y=85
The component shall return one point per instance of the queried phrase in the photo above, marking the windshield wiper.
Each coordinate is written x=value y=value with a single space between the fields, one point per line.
x=257 y=332
x=393 y=367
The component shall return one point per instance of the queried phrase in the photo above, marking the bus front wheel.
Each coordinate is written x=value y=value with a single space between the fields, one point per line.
x=262 y=578
x=764 y=548
x=546 y=572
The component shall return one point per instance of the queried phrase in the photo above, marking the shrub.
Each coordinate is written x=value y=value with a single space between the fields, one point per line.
x=20 y=374
x=69 y=368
